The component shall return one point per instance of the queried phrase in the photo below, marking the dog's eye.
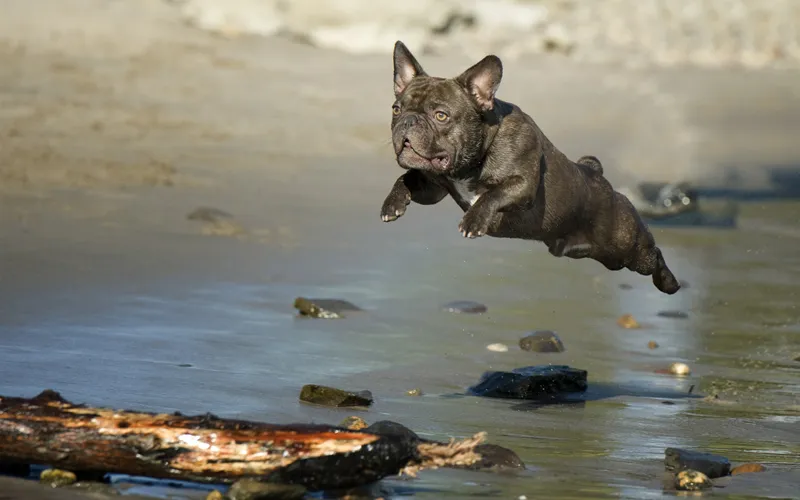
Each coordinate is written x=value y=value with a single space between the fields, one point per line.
x=396 y=110
x=441 y=116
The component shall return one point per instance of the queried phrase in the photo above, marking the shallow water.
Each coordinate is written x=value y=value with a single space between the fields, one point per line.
x=110 y=309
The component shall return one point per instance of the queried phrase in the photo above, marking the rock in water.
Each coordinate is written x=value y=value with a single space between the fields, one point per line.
x=628 y=321
x=692 y=480
x=57 y=478
x=747 y=469
x=531 y=382
x=330 y=396
x=541 y=341
x=392 y=429
x=324 y=308
x=250 y=489
x=353 y=423
x=464 y=307
x=494 y=456
x=713 y=466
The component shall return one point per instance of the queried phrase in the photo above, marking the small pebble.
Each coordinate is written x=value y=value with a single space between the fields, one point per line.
x=692 y=480
x=628 y=321
x=673 y=314
x=652 y=344
x=215 y=495
x=625 y=286
x=354 y=423
x=414 y=392
x=57 y=478
x=464 y=307
x=541 y=341
x=681 y=369
x=497 y=347
x=747 y=468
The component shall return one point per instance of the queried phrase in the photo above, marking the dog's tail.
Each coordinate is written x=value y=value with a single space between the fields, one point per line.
x=592 y=162
x=663 y=278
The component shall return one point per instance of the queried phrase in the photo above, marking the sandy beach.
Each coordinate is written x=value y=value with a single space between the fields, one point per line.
x=117 y=120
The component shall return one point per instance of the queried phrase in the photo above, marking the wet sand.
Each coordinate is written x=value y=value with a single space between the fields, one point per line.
x=110 y=136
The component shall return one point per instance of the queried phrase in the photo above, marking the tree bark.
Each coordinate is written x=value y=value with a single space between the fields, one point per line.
x=49 y=430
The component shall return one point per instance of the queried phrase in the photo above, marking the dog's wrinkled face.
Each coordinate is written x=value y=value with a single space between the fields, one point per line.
x=439 y=125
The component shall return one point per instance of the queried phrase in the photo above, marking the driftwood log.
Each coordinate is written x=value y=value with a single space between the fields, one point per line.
x=48 y=430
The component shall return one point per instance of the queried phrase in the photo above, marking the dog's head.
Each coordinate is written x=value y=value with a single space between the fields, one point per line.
x=440 y=125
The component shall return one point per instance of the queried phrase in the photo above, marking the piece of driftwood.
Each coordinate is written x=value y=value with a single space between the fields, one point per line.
x=49 y=430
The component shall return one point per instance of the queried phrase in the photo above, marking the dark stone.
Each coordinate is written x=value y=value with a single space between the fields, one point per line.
x=494 y=456
x=208 y=214
x=531 y=382
x=464 y=307
x=625 y=286
x=324 y=308
x=713 y=466
x=250 y=489
x=185 y=365
x=330 y=396
x=673 y=314
x=541 y=341
x=393 y=429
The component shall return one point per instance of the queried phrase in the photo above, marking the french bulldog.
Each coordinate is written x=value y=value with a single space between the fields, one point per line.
x=454 y=137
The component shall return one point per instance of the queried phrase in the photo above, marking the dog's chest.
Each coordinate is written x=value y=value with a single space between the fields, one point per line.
x=461 y=187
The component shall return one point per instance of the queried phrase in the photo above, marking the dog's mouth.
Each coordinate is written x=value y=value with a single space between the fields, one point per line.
x=439 y=161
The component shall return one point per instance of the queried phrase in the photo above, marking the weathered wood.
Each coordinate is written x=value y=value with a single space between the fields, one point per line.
x=49 y=430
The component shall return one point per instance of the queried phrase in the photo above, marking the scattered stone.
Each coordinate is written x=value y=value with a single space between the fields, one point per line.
x=747 y=469
x=324 y=308
x=494 y=456
x=392 y=429
x=464 y=307
x=216 y=222
x=353 y=423
x=414 y=392
x=250 y=489
x=541 y=341
x=680 y=369
x=215 y=495
x=56 y=478
x=628 y=321
x=497 y=347
x=673 y=314
x=531 y=382
x=692 y=480
x=652 y=344
x=713 y=466
x=330 y=396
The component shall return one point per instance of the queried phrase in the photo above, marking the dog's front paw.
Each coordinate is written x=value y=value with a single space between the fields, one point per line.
x=394 y=206
x=475 y=223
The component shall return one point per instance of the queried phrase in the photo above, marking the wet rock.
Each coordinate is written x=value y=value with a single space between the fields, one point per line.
x=392 y=429
x=692 y=480
x=497 y=347
x=747 y=469
x=324 y=308
x=541 y=341
x=250 y=489
x=216 y=222
x=713 y=466
x=494 y=456
x=215 y=495
x=208 y=214
x=353 y=423
x=680 y=369
x=797 y=359
x=531 y=382
x=464 y=307
x=330 y=396
x=628 y=321
x=652 y=344
x=673 y=314
x=57 y=478
x=414 y=392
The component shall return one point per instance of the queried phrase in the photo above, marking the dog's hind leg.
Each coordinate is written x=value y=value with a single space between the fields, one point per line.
x=650 y=261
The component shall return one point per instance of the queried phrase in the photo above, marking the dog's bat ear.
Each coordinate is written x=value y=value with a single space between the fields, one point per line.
x=406 y=68
x=482 y=81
